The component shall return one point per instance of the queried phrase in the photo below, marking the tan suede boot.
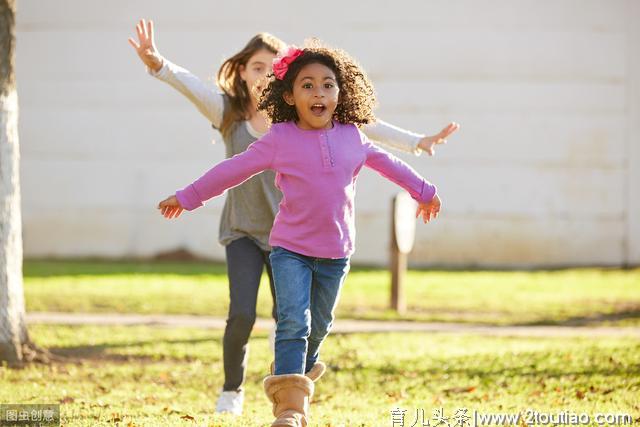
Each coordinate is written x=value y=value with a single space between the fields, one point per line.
x=318 y=370
x=290 y=395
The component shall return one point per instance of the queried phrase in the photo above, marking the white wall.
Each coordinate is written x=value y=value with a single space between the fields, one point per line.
x=544 y=172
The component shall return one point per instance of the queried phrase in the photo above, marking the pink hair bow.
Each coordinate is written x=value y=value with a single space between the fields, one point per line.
x=284 y=59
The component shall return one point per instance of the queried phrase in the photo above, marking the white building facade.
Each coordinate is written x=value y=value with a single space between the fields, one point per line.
x=544 y=172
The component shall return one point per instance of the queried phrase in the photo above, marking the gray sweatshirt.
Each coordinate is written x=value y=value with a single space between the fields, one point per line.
x=251 y=207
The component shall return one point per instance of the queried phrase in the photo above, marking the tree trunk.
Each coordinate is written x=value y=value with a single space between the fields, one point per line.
x=13 y=331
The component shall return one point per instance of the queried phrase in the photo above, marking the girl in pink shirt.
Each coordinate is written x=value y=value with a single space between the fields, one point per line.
x=316 y=99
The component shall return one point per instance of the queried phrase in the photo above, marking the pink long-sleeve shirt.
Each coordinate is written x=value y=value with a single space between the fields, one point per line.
x=316 y=170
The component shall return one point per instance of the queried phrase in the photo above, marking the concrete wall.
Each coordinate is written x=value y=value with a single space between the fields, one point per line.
x=545 y=171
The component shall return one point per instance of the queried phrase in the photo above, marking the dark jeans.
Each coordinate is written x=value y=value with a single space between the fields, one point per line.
x=245 y=262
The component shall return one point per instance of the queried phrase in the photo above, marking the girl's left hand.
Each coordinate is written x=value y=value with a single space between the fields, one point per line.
x=146 y=46
x=170 y=207
x=429 y=142
x=429 y=210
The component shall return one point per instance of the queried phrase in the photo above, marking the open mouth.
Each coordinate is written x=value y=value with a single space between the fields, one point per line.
x=318 y=109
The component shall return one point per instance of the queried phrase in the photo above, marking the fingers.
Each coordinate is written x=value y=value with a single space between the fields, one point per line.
x=150 y=30
x=140 y=32
x=441 y=138
x=170 y=207
x=448 y=130
x=426 y=216
x=143 y=23
x=170 y=212
x=434 y=213
x=166 y=203
x=428 y=211
x=133 y=43
x=424 y=213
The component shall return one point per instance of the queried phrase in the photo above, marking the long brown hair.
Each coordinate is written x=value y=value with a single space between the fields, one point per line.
x=230 y=82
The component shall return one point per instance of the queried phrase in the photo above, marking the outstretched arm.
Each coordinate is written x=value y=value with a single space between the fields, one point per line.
x=226 y=174
x=390 y=136
x=406 y=177
x=206 y=99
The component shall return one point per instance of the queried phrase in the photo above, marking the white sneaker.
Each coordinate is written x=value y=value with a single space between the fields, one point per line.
x=272 y=338
x=230 y=402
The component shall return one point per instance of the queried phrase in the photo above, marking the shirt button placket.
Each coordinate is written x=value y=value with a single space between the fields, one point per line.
x=329 y=150
x=324 y=149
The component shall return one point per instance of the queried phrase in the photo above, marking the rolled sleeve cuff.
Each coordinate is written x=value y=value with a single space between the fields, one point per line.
x=162 y=73
x=189 y=198
x=417 y=151
x=428 y=192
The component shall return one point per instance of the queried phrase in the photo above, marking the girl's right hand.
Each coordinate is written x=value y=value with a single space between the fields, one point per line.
x=170 y=207
x=146 y=48
x=430 y=210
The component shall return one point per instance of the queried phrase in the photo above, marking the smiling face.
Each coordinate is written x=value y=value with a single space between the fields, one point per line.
x=315 y=96
x=255 y=72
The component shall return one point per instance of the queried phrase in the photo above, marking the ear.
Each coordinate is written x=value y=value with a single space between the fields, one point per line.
x=288 y=98
x=243 y=72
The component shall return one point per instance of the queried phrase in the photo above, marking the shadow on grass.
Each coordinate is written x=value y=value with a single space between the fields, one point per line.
x=501 y=318
x=595 y=319
x=57 y=268
x=100 y=352
x=532 y=365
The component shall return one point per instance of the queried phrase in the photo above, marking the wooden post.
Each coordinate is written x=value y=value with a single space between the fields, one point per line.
x=398 y=270
x=403 y=231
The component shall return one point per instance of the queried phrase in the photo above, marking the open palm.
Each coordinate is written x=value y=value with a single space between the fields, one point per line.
x=428 y=143
x=145 y=46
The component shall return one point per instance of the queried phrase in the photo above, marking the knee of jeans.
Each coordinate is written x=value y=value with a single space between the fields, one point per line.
x=242 y=320
x=319 y=333
x=292 y=328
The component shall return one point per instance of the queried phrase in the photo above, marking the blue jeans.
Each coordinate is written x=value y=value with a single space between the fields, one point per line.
x=307 y=290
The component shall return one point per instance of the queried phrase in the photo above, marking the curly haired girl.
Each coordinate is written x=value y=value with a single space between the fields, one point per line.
x=316 y=98
x=250 y=208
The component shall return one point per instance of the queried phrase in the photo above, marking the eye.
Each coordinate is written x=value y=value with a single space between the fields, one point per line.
x=328 y=85
x=307 y=85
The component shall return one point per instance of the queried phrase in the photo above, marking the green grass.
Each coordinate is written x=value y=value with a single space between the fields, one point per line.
x=575 y=296
x=146 y=376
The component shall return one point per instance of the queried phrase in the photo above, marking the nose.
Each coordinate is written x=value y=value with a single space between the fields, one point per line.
x=318 y=92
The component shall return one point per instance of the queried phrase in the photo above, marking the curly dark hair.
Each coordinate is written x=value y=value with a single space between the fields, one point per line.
x=356 y=98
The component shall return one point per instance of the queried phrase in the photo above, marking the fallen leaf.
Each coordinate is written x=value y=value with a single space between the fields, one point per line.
x=468 y=389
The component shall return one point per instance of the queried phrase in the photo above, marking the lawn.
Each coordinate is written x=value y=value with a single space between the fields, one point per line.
x=154 y=376
x=574 y=296
x=151 y=376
